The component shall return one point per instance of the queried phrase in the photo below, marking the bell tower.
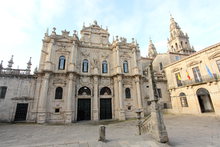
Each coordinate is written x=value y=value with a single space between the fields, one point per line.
x=178 y=41
x=152 y=52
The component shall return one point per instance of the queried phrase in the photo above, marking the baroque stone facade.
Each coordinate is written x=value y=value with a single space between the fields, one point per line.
x=98 y=79
x=86 y=78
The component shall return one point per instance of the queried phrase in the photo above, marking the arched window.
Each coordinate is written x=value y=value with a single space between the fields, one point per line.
x=61 y=63
x=125 y=66
x=84 y=91
x=85 y=65
x=105 y=90
x=104 y=67
x=183 y=100
x=127 y=93
x=59 y=93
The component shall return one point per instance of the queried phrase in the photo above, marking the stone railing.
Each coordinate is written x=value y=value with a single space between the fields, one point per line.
x=8 y=71
x=145 y=124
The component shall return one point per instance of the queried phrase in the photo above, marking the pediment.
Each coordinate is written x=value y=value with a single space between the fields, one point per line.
x=64 y=39
x=176 y=69
x=192 y=63
x=215 y=55
x=23 y=98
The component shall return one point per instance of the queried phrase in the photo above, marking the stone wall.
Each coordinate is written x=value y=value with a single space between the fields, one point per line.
x=20 y=89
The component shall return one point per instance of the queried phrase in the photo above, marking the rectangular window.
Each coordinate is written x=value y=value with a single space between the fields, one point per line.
x=159 y=93
x=178 y=79
x=177 y=58
x=161 y=66
x=165 y=106
x=3 y=90
x=218 y=64
x=57 y=110
x=184 y=102
x=197 y=75
x=125 y=66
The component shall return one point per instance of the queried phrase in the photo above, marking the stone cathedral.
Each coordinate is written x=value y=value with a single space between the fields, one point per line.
x=87 y=78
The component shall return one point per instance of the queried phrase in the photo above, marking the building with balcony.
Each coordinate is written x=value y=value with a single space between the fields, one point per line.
x=194 y=82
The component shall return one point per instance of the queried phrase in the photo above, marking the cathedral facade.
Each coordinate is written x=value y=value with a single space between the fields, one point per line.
x=88 y=78
x=85 y=78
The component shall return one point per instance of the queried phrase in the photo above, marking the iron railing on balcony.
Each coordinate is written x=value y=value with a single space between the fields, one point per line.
x=202 y=79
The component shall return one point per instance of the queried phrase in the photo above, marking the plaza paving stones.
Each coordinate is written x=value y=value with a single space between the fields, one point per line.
x=183 y=130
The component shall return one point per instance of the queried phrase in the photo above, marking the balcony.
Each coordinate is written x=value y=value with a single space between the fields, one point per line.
x=203 y=79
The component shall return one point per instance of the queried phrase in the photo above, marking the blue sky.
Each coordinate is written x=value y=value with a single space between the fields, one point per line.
x=24 y=22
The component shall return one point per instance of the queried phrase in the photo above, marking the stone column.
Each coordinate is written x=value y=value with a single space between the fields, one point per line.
x=48 y=65
x=139 y=101
x=135 y=58
x=116 y=98
x=68 y=112
x=36 y=98
x=73 y=57
x=41 y=118
x=135 y=70
x=121 y=102
x=96 y=99
x=118 y=60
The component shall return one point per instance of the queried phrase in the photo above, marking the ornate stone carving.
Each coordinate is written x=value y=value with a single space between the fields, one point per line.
x=125 y=56
x=105 y=82
x=95 y=63
x=85 y=80
x=85 y=54
x=127 y=81
x=104 y=56
x=59 y=81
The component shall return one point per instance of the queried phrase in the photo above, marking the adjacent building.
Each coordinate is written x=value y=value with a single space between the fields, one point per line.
x=193 y=82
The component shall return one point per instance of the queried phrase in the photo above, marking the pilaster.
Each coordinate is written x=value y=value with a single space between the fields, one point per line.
x=96 y=99
x=41 y=118
x=48 y=63
x=137 y=83
x=73 y=58
x=121 y=102
x=116 y=98
x=68 y=102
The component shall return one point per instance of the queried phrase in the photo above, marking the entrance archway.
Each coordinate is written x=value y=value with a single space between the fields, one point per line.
x=205 y=101
x=105 y=103
x=84 y=104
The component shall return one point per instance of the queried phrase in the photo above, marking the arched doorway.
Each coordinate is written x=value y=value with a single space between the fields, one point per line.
x=84 y=104
x=205 y=101
x=105 y=103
